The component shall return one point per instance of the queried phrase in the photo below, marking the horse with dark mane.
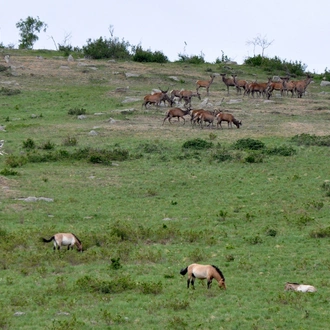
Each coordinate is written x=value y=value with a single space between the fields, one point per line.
x=202 y=272
x=64 y=239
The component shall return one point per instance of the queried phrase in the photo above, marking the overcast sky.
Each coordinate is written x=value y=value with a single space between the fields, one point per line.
x=299 y=30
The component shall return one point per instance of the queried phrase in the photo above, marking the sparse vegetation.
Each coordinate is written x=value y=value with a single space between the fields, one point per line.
x=147 y=200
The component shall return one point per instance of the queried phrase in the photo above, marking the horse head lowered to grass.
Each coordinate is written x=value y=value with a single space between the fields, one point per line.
x=202 y=272
x=64 y=239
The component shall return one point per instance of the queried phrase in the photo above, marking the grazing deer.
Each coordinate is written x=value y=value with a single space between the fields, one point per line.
x=205 y=84
x=176 y=112
x=228 y=81
x=229 y=118
x=156 y=98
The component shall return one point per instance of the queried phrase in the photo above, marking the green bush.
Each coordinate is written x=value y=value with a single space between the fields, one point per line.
x=8 y=172
x=107 y=48
x=320 y=233
x=276 y=64
x=16 y=161
x=151 y=287
x=9 y=91
x=311 y=140
x=193 y=59
x=141 y=55
x=70 y=141
x=77 y=111
x=29 y=144
x=249 y=144
x=198 y=144
x=281 y=151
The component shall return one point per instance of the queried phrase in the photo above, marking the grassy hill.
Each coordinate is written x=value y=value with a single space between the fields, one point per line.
x=148 y=199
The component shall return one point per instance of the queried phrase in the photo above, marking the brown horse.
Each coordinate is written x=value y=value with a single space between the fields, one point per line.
x=202 y=272
x=64 y=239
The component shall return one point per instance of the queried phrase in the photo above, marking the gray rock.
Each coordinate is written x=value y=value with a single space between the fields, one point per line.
x=130 y=75
x=324 y=83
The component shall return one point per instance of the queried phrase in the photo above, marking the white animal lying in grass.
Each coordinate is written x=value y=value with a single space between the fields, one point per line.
x=1 y=145
x=299 y=287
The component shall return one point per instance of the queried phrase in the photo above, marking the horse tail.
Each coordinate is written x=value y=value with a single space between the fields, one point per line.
x=48 y=240
x=183 y=271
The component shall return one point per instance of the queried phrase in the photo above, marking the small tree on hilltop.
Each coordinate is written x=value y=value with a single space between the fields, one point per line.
x=28 y=29
x=261 y=42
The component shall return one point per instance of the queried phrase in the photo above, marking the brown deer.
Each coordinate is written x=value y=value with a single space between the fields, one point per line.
x=205 y=84
x=259 y=88
x=288 y=86
x=301 y=86
x=240 y=84
x=276 y=85
x=228 y=81
x=229 y=118
x=156 y=98
x=176 y=112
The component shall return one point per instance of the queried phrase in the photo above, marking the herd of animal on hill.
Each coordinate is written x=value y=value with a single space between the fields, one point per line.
x=202 y=272
x=202 y=117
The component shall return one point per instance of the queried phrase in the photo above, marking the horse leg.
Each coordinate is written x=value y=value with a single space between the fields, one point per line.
x=193 y=283
x=188 y=282
x=209 y=282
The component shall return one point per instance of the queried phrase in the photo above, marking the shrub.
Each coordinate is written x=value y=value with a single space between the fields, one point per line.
x=255 y=157
x=151 y=287
x=221 y=156
x=107 y=48
x=311 y=140
x=271 y=232
x=8 y=172
x=276 y=64
x=198 y=144
x=326 y=187
x=193 y=59
x=16 y=161
x=320 y=233
x=249 y=144
x=29 y=144
x=148 y=56
x=281 y=151
x=9 y=91
x=47 y=146
x=254 y=240
x=77 y=111
x=115 y=263
x=70 y=141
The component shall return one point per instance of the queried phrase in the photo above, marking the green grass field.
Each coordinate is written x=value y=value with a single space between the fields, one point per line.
x=148 y=199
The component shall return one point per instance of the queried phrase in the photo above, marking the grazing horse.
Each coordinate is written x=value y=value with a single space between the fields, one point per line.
x=64 y=239
x=299 y=287
x=204 y=272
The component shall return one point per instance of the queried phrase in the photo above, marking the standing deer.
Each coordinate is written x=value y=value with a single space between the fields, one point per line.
x=301 y=86
x=240 y=84
x=205 y=84
x=176 y=112
x=228 y=81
